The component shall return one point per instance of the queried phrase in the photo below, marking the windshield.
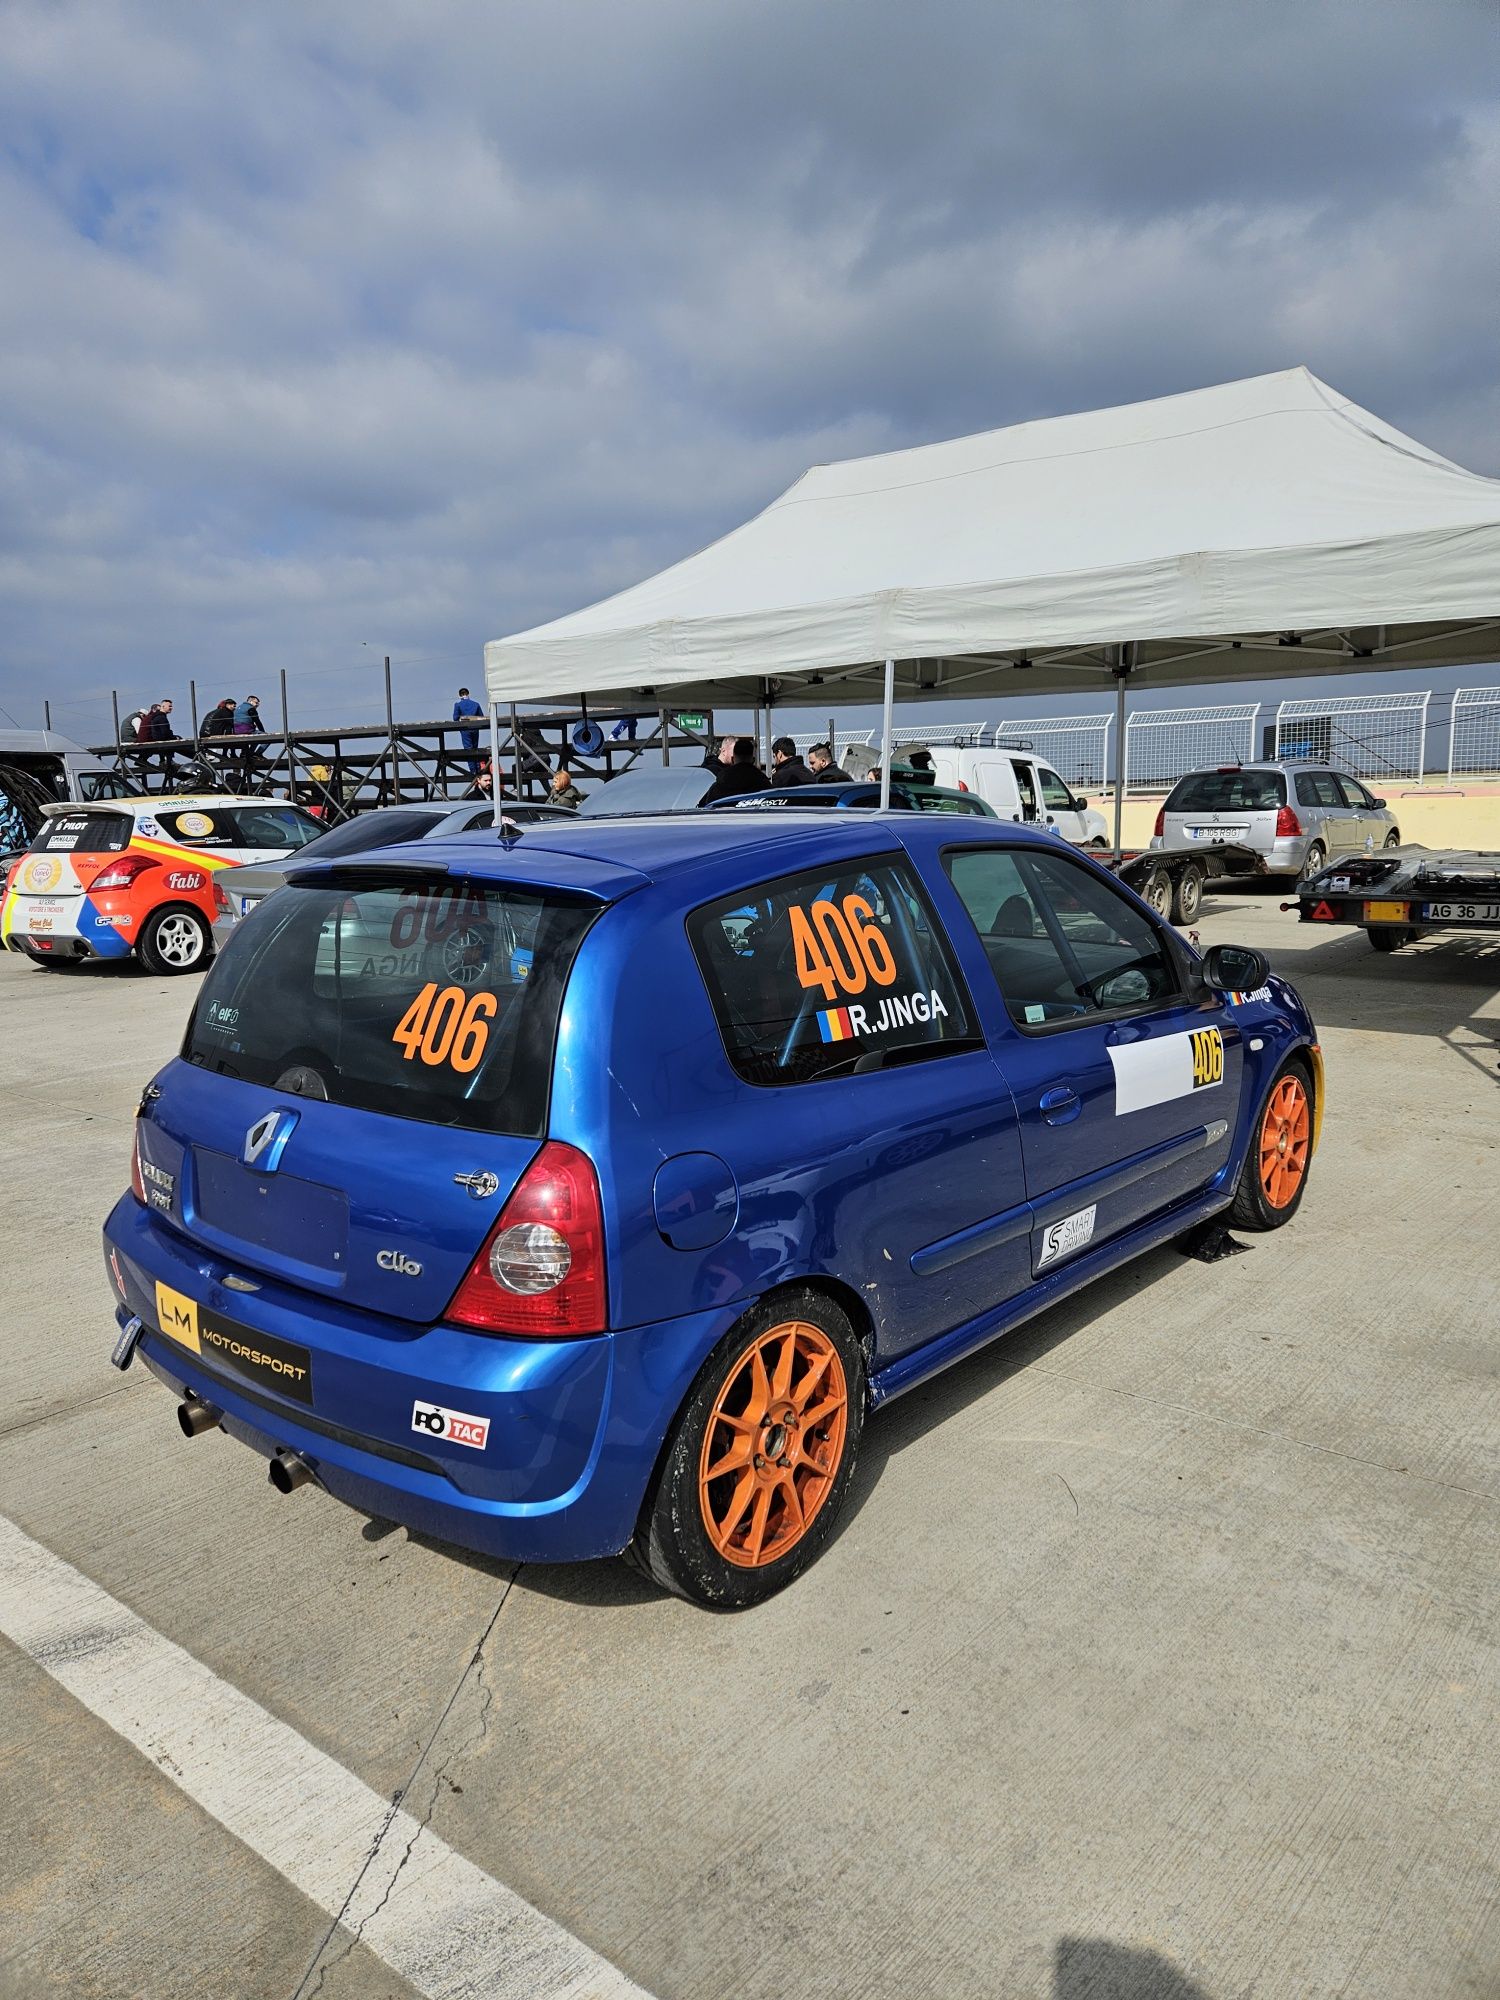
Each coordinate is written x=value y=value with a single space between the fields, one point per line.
x=669 y=790
x=430 y=999
x=366 y=832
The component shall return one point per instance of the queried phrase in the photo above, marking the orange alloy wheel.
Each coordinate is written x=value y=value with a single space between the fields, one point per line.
x=1284 y=1135
x=773 y=1445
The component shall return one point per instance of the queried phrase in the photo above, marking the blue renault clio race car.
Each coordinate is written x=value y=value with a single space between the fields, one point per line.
x=583 y=1195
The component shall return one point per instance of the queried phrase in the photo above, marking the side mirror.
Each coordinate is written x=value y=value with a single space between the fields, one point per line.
x=1380 y=803
x=1234 y=968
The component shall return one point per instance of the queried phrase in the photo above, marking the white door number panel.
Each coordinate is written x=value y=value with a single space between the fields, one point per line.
x=1167 y=1066
x=454 y=1425
x=1061 y=1239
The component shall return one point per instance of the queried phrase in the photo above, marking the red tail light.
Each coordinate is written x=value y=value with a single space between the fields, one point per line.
x=120 y=874
x=1288 y=826
x=542 y=1269
x=222 y=904
x=1161 y=823
x=137 y=1184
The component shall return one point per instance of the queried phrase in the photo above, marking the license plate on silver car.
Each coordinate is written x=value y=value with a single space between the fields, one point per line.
x=1462 y=913
x=1218 y=832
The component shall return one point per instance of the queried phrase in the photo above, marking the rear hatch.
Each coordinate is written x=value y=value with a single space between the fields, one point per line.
x=365 y=1079
x=1227 y=805
x=49 y=889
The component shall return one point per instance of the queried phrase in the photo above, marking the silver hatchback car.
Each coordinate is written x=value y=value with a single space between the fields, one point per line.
x=1297 y=815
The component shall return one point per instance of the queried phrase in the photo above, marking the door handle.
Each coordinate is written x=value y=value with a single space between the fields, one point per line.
x=1060 y=1106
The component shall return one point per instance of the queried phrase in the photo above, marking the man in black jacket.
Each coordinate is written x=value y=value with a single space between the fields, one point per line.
x=742 y=775
x=787 y=768
x=156 y=727
x=822 y=768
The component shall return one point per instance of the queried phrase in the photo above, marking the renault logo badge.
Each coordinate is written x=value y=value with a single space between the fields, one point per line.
x=266 y=1140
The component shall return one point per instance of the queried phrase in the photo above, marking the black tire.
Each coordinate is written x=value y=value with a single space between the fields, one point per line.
x=1389 y=937
x=1393 y=838
x=1253 y=1207
x=1187 y=896
x=1312 y=861
x=673 y=1543
x=166 y=943
x=1157 y=891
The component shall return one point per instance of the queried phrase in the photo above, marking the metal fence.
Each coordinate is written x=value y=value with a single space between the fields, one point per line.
x=1164 y=744
x=1368 y=735
x=1076 y=746
x=1474 y=733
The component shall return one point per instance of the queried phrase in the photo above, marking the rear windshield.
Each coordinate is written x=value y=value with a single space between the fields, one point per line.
x=371 y=830
x=434 y=1000
x=1228 y=791
x=85 y=833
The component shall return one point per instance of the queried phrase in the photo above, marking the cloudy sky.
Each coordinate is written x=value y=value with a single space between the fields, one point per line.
x=332 y=329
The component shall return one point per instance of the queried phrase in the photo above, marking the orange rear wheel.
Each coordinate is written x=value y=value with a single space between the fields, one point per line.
x=1285 y=1140
x=773 y=1444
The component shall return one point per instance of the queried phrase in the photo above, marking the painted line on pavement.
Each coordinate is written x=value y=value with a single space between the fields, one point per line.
x=446 y=1927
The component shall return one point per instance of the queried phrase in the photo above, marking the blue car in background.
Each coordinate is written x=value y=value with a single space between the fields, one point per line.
x=583 y=1194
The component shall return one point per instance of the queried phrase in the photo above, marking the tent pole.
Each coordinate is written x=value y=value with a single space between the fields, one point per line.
x=886 y=710
x=495 y=758
x=1120 y=673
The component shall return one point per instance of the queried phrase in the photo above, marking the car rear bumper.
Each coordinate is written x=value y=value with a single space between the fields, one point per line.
x=573 y=1427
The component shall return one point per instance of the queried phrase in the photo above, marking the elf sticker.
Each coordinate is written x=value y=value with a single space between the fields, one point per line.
x=1165 y=1067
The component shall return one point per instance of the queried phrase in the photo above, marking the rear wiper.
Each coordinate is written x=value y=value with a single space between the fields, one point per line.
x=895 y=1053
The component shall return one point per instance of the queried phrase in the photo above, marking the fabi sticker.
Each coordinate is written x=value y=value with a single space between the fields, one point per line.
x=454 y=1425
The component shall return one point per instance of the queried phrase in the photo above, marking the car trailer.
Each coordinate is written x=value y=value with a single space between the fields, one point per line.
x=1171 y=879
x=1401 y=894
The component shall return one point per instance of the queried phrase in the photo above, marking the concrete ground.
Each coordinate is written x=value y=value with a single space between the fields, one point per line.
x=1156 y=1659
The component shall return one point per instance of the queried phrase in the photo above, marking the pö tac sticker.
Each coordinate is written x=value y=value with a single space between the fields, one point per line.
x=1164 y=1067
x=454 y=1425
x=1061 y=1239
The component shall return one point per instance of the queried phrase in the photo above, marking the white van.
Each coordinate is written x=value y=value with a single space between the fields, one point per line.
x=1020 y=786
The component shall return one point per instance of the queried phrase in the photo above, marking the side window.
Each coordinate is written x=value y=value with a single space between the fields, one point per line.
x=817 y=973
x=1063 y=944
x=1026 y=787
x=1355 y=795
x=199 y=829
x=1056 y=794
x=270 y=826
x=1318 y=788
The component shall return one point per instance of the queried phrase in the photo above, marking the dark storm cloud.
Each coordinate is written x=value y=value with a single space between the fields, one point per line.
x=415 y=324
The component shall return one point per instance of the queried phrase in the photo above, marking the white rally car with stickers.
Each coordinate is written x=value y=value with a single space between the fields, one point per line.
x=137 y=876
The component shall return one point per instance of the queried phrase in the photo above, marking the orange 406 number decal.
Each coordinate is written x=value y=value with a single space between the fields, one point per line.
x=446 y=1025
x=840 y=947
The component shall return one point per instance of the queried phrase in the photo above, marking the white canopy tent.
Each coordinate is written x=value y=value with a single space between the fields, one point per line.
x=1192 y=539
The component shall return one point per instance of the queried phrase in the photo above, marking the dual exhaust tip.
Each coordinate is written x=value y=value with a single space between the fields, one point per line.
x=288 y=1469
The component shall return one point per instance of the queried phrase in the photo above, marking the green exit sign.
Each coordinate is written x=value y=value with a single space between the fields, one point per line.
x=690 y=720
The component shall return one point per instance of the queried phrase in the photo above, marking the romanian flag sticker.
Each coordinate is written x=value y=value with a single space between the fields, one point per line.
x=834 y=1026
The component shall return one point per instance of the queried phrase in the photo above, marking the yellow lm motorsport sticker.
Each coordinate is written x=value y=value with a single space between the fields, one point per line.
x=177 y=1316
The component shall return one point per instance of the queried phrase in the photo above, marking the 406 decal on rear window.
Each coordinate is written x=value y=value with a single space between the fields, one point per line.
x=446 y=1025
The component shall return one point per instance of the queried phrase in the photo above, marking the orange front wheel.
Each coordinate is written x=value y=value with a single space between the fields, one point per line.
x=1285 y=1137
x=1274 y=1177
